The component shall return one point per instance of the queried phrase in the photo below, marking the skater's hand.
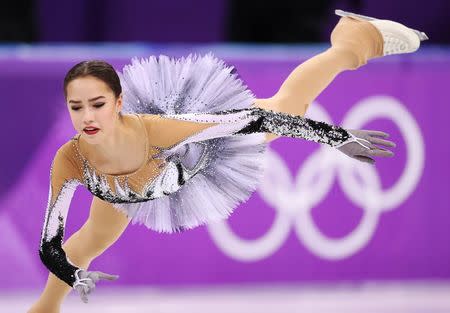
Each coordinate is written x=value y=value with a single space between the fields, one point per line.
x=363 y=148
x=85 y=283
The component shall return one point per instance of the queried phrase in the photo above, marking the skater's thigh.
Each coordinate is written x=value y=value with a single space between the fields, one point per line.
x=105 y=221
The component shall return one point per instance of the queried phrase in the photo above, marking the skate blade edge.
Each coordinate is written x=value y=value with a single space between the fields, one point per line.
x=422 y=36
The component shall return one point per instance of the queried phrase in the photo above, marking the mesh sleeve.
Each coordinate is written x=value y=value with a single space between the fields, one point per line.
x=193 y=127
x=62 y=187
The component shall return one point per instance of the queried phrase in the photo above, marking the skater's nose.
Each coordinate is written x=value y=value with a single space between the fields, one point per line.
x=88 y=116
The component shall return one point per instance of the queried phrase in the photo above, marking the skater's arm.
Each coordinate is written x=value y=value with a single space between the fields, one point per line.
x=287 y=125
x=203 y=126
x=173 y=129
x=63 y=183
x=274 y=105
x=165 y=132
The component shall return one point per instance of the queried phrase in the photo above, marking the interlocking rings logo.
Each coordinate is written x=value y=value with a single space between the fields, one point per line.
x=294 y=201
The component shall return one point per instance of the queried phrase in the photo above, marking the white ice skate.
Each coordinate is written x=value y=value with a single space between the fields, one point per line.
x=397 y=37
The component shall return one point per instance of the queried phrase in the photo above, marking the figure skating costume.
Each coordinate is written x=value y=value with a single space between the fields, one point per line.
x=215 y=165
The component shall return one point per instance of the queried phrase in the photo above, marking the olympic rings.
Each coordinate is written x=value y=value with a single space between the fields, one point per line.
x=293 y=199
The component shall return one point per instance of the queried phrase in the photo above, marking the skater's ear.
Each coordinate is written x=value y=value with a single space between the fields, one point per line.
x=119 y=103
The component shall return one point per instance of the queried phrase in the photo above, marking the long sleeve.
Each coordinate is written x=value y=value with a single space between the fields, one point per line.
x=256 y=120
x=63 y=183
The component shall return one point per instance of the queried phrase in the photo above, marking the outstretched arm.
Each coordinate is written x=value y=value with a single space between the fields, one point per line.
x=203 y=126
x=62 y=187
x=179 y=129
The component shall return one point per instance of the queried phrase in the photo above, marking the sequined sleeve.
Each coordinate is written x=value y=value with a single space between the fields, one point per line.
x=62 y=187
x=258 y=120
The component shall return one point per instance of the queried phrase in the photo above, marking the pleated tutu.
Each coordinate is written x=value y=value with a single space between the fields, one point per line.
x=234 y=164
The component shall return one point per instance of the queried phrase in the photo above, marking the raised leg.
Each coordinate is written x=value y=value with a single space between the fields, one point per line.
x=353 y=43
x=103 y=227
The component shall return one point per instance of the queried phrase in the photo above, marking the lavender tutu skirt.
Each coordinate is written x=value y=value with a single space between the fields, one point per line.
x=234 y=167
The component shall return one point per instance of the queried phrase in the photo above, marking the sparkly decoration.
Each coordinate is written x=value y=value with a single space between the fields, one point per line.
x=174 y=175
x=288 y=125
x=98 y=185
x=258 y=120
x=50 y=250
x=54 y=257
x=201 y=179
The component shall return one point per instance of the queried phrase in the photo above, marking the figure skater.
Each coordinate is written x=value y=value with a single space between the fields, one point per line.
x=182 y=143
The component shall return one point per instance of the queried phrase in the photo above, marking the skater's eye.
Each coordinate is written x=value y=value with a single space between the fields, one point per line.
x=99 y=105
x=76 y=108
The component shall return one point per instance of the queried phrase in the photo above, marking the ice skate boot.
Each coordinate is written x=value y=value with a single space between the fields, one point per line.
x=397 y=38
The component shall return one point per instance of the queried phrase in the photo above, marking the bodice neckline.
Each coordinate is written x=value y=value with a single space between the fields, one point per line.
x=144 y=163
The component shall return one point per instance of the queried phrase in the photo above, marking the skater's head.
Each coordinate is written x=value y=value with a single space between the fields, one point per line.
x=94 y=98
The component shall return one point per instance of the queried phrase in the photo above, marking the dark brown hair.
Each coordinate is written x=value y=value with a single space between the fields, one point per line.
x=98 y=69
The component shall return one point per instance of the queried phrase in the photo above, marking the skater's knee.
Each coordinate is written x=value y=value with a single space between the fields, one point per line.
x=348 y=56
x=359 y=40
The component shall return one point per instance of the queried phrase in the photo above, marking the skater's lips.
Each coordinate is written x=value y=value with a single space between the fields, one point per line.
x=90 y=128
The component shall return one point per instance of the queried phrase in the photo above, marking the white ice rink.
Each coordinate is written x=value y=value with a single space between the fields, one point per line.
x=344 y=298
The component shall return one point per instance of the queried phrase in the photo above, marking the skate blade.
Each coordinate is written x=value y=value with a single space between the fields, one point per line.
x=422 y=36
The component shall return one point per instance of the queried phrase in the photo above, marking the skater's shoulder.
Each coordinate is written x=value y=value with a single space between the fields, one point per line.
x=68 y=148
x=165 y=131
x=148 y=119
x=67 y=154
x=154 y=125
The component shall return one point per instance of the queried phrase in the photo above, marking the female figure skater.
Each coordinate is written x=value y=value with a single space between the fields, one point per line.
x=192 y=148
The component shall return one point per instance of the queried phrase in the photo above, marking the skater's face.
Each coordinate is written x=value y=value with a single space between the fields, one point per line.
x=93 y=108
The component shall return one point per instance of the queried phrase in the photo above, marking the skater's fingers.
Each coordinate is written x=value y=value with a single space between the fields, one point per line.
x=365 y=159
x=91 y=286
x=83 y=294
x=107 y=276
x=90 y=283
x=382 y=142
x=377 y=133
x=87 y=290
x=380 y=153
x=363 y=145
x=79 y=289
x=94 y=277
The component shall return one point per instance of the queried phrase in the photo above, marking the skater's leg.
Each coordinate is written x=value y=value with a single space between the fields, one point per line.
x=103 y=227
x=353 y=43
